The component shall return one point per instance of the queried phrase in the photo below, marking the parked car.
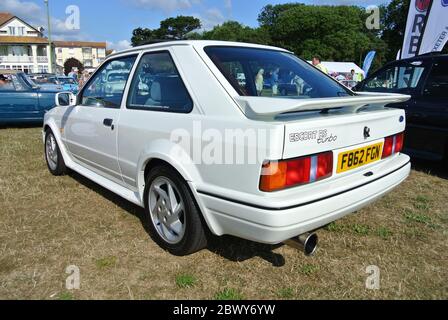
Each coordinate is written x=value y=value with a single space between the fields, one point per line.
x=64 y=82
x=21 y=100
x=425 y=79
x=199 y=150
x=42 y=77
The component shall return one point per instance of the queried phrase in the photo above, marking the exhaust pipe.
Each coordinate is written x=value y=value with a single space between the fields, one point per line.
x=306 y=242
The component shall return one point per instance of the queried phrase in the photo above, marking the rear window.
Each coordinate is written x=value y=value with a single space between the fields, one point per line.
x=270 y=73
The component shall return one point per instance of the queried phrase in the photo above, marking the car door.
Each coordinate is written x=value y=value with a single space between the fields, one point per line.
x=18 y=101
x=428 y=115
x=157 y=103
x=90 y=128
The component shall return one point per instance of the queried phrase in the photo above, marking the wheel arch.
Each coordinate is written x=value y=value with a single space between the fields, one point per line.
x=187 y=172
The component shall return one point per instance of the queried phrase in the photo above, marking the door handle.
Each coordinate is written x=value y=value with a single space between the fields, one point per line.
x=109 y=123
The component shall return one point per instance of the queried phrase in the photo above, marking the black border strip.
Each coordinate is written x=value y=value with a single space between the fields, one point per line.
x=301 y=204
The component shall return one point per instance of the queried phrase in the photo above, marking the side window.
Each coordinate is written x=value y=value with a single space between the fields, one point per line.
x=437 y=84
x=106 y=88
x=397 y=78
x=158 y=86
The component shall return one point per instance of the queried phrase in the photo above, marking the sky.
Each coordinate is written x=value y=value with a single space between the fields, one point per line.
x=113 y=20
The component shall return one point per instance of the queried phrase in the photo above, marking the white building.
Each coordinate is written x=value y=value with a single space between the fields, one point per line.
x=22 y=46
x=90 y=54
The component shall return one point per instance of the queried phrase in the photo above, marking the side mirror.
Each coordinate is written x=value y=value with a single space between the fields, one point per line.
x=65 y=99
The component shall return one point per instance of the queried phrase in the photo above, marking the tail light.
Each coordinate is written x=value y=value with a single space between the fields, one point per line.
x=393 y=145
x=279 y=175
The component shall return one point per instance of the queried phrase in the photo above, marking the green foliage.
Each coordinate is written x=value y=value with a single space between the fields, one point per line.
x=172 y=28
x=285 y=293
x=308 y=269
x=179 y=27
x=106 y=262
x=393 y=21
x=234 y=31
x=336 y=33
x=383 y=232
x=361 y=229
x=185 y=281
x=229 y=294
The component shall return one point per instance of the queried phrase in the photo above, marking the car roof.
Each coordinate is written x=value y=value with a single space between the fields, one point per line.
x=426 y=56
x=196 y=44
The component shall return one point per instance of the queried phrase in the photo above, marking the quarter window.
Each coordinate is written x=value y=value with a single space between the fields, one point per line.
x=106 y=88
x=158 y=86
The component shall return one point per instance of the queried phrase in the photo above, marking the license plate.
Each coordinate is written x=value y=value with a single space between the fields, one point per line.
x=359 y=157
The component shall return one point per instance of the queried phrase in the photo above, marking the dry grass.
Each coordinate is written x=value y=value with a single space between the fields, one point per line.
x=48 y=223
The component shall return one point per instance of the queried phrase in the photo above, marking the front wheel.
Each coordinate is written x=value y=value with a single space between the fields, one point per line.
x=53 y=156
x=173 y=217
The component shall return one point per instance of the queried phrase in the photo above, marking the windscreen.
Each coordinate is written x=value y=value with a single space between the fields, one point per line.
x=270 y=73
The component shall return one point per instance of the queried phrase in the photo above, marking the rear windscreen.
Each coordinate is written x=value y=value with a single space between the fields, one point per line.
x=270 y=73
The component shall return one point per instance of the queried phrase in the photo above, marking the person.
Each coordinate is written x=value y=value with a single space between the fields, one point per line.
x=318 y=64
x=352 y=75
x=274 y=81
x=300 y=84
x=73 y=74
x=84 y=78
x=259 y=81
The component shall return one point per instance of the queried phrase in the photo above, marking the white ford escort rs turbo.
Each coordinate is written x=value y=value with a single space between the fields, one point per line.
x=232 y=138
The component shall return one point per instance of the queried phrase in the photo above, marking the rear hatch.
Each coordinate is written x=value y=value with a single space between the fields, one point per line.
x=353 y=128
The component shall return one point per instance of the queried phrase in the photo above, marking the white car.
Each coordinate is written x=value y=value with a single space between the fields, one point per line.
x=202 y=152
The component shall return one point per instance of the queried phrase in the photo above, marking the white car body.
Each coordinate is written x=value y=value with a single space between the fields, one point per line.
x=229 y=196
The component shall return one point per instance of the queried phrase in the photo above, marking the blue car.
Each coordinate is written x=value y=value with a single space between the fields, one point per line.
x=21 y=100
x=61 y=83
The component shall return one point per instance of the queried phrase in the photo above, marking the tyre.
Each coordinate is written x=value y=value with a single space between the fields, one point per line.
x=173 y=217
x=53 y=156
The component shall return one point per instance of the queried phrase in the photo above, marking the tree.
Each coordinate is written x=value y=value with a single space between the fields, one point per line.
x=71 y=63
x=178 y=28
x=172 y=28
x=141 y=35
x=235 y=31
x=336 y=33
x=393 y=20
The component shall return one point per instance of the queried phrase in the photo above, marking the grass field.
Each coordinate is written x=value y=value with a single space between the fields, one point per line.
x=49 y=223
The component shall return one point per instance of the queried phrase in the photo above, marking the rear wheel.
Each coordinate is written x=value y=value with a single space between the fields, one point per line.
x=173 y=216
x=53 y=156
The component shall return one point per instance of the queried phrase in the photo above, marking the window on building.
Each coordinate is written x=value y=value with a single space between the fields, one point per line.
x=12 y=31
x=59 y=50
x=21 y=31
x=71 y=51
x=88 y=63
x=101 y=52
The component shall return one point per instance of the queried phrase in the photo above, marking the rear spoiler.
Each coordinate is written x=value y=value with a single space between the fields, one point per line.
x=267 y=107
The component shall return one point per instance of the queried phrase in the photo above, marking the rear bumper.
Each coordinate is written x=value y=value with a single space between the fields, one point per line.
x=276 y=224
